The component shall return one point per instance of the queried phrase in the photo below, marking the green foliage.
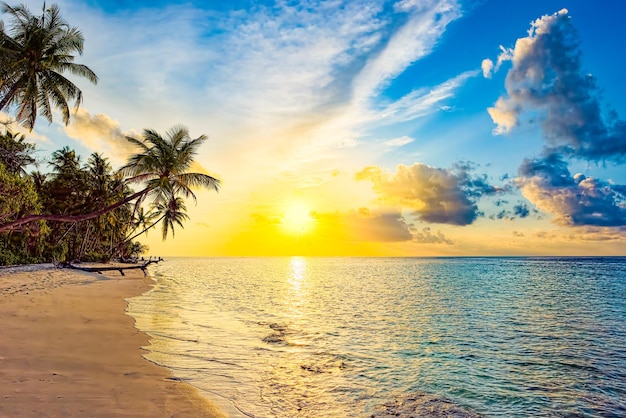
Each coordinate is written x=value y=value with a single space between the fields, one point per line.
x=36 y=52
x=72 y=189
x=17 y=195
x=136 y=249
x=11 y=255
x=15 y=153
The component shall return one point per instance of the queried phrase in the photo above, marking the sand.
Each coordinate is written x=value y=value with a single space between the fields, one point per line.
x=67 y=349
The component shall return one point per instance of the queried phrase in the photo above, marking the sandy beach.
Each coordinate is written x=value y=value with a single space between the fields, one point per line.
x=69 y=350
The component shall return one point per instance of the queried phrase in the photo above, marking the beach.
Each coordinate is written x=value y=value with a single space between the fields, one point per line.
x=69 y=350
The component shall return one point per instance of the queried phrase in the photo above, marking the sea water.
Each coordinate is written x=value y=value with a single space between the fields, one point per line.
x=341 y=337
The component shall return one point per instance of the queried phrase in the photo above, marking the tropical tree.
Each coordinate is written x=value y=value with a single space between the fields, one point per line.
x=34 y=55
x=170 y=212
x=18 y=195
x=161 y=167
x=173 y=213
x=16 y=154
x=163 y=164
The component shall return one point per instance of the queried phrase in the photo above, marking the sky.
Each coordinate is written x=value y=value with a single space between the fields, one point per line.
x=369 y=127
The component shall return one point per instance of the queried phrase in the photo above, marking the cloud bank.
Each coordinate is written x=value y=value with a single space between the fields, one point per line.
x=546 y=85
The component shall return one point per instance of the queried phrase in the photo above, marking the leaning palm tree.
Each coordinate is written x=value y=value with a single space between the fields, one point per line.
x=162 y=168
x=34 y=54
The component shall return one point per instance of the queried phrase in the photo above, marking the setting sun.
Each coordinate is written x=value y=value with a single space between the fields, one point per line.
x=297 y=219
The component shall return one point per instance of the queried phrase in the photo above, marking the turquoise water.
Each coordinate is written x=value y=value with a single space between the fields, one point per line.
x=340 y=337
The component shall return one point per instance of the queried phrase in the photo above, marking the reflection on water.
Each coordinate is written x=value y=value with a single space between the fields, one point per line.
x=340 y=337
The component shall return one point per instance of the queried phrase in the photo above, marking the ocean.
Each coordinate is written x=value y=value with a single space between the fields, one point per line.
x=354 y=337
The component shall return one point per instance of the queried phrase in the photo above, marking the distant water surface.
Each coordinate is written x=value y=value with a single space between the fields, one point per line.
x=340 y=337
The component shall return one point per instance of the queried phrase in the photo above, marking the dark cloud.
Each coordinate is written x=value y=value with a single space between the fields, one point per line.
x=500 y=215
x=435 y=195
x=546 y=84
x=521 y=210
x=573 y=200
x=427 y=237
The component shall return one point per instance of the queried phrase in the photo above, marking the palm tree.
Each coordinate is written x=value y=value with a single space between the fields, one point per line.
x=162 y=168
x=173 y=212
x=16 y=154
x=33 y=57
x=170 y=212
x=163 y=163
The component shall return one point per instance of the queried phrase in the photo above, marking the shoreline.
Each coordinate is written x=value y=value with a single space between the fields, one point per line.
x=70 y=349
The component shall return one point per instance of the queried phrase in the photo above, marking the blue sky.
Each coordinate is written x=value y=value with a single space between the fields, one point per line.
x=373 y=118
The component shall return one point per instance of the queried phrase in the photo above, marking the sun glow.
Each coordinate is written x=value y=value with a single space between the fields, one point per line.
x=297 y=219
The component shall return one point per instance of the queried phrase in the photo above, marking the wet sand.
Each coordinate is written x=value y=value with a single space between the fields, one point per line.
x=67 y=349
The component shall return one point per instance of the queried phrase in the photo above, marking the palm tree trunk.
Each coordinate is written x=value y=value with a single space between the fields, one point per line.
x=71 y=218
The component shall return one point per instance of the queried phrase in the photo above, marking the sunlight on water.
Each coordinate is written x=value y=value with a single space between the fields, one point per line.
x=341 y=337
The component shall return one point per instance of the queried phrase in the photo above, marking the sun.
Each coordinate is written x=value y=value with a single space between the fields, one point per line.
x=297 y=219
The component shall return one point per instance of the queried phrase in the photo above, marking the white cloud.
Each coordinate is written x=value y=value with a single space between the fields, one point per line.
x=426 y=22
x=423 y=101
x=487 y=67
x=101 y=134
x=399 y=142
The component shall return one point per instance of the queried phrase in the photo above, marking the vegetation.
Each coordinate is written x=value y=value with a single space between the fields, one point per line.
x=34 y=54
x=58 y=215
x=78 y=210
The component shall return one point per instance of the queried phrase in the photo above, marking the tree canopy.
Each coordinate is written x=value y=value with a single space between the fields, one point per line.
x=35 y=53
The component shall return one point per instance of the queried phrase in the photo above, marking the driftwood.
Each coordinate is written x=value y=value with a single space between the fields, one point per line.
x=121 y=269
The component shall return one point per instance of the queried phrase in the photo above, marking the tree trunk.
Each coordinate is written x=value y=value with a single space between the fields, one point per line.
x=71 y=218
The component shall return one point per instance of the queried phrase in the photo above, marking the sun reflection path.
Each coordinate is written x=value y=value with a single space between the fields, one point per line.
x=297 y=278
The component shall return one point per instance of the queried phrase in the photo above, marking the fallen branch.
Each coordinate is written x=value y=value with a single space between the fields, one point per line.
x=121 y=269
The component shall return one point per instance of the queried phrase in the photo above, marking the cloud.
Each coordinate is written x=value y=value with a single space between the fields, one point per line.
x=597 y=234
x=547 y=85
x=425 y=23
x=398 y=142
x=364 y=225
x=435 y=195
x=427 y=237
x=9 y=122
x=521 y=210
x=576 y=234
x=487 y=67
x=421 y=102
x=573 y=200
x=100 y=133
